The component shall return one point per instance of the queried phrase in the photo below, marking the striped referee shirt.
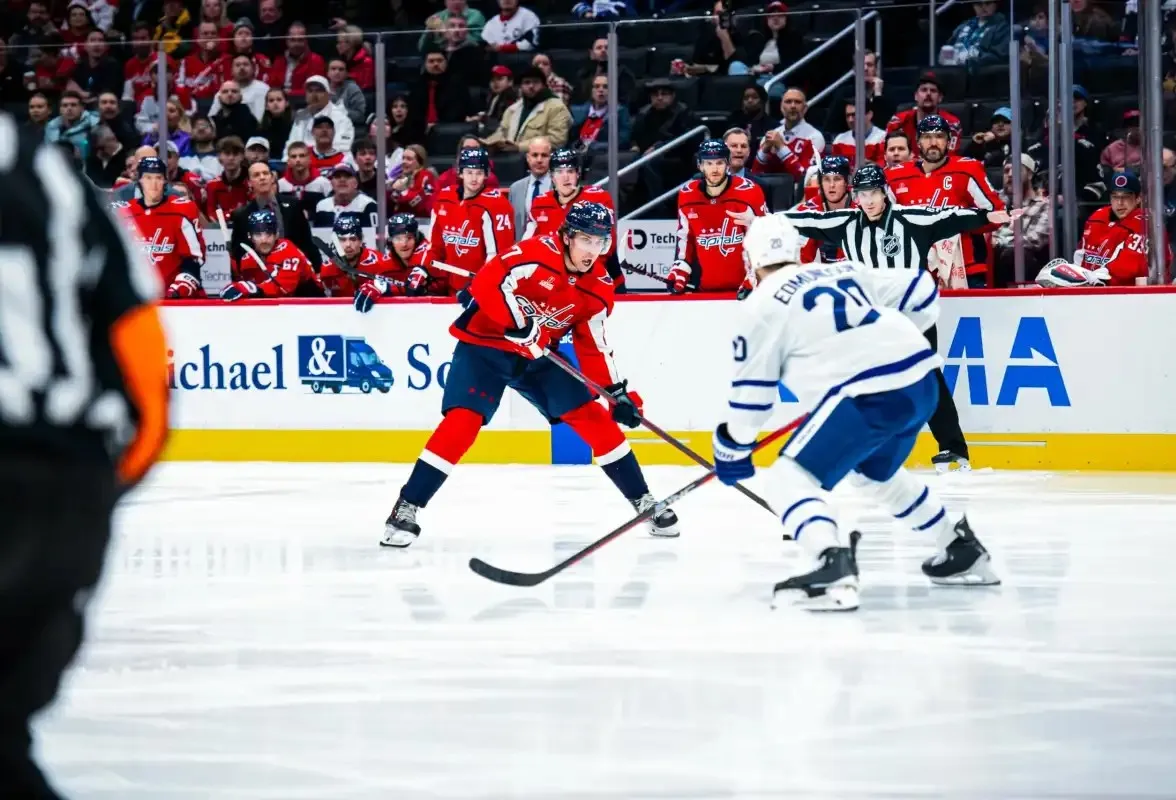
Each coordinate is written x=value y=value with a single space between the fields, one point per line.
x=900 y=239
x=70 y=277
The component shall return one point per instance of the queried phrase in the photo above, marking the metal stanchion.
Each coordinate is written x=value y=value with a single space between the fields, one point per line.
x=161 y=98
x=932 y=56
x=1152 y=76
x=859 y=91
x=1018 y=186
x=1052 y=131
x=614 y=188
x=381 y=141
x=1065 y=54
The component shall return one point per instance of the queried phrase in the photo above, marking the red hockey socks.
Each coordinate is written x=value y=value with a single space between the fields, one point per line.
x=594 y=425
x=446 y=447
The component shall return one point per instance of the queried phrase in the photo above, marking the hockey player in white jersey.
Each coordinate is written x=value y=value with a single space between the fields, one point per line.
x=846 y=339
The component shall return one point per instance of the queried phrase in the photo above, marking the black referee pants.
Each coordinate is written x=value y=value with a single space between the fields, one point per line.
x=945 y=422
x=54 y=528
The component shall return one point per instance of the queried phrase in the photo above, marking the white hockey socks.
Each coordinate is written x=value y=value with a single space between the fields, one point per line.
x=911 y=502
x=805 y=513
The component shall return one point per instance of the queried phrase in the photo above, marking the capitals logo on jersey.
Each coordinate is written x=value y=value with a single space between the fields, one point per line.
x=726 y=238
x=158 y=246
x=462 y=240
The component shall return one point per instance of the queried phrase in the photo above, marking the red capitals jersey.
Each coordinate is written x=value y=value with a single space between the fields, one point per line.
x=960 y=183
x=168 y=233
x=531 y=280
x=845 y=145
x=468 y=233
x=204 y=78
x=908 y=121
x=708 y=239
x=339 y=284
x=547 y=214
x=137 y=77
x=287 y=272
x=813 y=251
x=225 y=194
x=1120 y=245
x=803 y=147
x=416 y=198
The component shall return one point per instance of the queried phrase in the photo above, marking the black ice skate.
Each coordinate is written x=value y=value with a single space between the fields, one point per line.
x=832 y=586
x=401 y=529
x=965 y=562
x=664 y=524
x=944 y=460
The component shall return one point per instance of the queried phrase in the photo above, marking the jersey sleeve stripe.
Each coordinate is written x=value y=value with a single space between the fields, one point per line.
x=750 y=406
x=753 y=382
x=930 y=299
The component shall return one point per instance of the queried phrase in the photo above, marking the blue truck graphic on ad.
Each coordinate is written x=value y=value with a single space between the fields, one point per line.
x=334 y=361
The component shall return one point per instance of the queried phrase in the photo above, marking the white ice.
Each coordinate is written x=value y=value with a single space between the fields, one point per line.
x=252 y=641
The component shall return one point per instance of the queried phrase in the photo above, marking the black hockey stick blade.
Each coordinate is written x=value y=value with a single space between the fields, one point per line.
x=510 y=578
x=328 y=253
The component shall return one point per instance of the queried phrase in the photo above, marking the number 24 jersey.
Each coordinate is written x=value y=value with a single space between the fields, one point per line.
x=468 y=233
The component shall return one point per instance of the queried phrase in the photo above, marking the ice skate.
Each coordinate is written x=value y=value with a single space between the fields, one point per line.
x=832 y=586
x=664 y=524
x=964 y=562
x=945 y=460
x=401 y=529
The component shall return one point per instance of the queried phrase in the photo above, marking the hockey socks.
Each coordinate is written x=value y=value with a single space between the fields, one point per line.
x=912 y=503
x=808 y=517
x=446 y=447
x=609 y=447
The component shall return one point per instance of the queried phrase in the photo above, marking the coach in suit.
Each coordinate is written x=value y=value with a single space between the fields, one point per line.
x=538 y=180
x=739 y=143
x=292 y=222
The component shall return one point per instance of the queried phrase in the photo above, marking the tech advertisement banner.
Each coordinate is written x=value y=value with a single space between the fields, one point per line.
x=1035 y=374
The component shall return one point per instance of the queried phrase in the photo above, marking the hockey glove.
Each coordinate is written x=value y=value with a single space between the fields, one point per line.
x=418 y=281
x=184 y=286
x=238 y=290
x=629 y=406
x=530 y=338
x=367 y=294
x=1060 y=273
x=732 y=459
x=678 y=277
x=465 y=298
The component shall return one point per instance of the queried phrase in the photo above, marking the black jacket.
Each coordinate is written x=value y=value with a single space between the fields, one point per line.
x=235 y=120
x=104 y=175
x=293 y=227
x=452 y=98
x=105 y=76
x=653 y=127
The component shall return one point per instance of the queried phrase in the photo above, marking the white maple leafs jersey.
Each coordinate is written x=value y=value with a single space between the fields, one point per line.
x=841 y=328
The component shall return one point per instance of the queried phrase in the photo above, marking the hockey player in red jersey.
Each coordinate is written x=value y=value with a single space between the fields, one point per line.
x=350 y=251
x=941 y=179
x=470 y=224
x=403 y=267
x=279 y=268
x=168 y=230
x=523 y=301
x=832 y=195
x=928 y=96
x=713 y=214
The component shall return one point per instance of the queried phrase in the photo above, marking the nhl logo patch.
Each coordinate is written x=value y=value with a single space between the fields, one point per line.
x=890 y=246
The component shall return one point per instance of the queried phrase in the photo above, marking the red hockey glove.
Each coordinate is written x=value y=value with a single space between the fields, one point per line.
x=185 y=285
x=366 y=296
x=417 y=281
x=678 y=277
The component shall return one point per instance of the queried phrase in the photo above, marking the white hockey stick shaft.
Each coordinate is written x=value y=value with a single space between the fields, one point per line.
x=441 y=265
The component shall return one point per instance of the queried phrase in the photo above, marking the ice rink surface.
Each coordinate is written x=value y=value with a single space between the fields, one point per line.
x=252 y=641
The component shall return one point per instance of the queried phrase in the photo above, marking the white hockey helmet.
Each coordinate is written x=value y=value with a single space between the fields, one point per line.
x=771 y=240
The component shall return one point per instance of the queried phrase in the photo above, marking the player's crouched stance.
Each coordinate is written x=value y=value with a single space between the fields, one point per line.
x=847 y=339
x=522 y=301
x=272 y=266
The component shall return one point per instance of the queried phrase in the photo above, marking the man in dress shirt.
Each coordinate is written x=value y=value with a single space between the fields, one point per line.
x=538 y=180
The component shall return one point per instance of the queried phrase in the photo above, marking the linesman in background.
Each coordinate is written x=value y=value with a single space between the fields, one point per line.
x=883 y=235
x=83 y=416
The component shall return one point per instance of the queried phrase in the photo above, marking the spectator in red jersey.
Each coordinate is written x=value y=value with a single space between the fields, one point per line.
x=53 y=69
x=992 y=147
x=231 y=190
x=204 y=69
x=898 y=149
x=324 y=156
x=136 y=71
x=412 y=192
x=450 y=177
x=97 y=71
x=277 y=121
x=752 y=114
x=360 y=66
x=437 y=96
x=214 y=11
x=232 y=117
x=1125 y=152
x=78 y=25
x=242 y=45
x=174 y=31
x=928 y=96
x=301 y=181
x=795 y=145
x=845 y=145
x=297 y=63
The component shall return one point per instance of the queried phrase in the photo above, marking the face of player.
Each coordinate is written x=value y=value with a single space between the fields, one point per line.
x=352 y=246
x=263 y=242
x=152 y=186
x=566 y=181
x=933 y=146
x=583 y=250
x=834 y=187
x=872 y=201
x=1123 y=203
x=472 y=181
x=404 y=244
x=714 y=170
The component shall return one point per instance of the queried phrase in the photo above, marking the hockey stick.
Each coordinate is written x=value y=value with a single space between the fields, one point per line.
x=562 y=363
x=224 y=226
x=330 y=253
x=627 y=267
x=510 y=578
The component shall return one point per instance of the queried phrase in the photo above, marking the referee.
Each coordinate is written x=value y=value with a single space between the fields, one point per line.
x=885 y=236
x=83 y=416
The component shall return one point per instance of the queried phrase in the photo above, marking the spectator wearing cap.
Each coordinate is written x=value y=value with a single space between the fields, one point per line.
x=993 y=145
x=361 y=68
x=928 y=96
x=265 y=193
x=514 y=29
x=345 y=92
x=1125 y=152
x=718 y=49
x=467 y=58
x=598 y=65
x=230 y=190
x=242 y=45
x=324 y=156
x=537 y=112
x=1034 y=225
x=296 y=63
x=73 y=123
x=981 y=41
x=1083 y=125
x=437 y=96
x=257 y=149
x=345 y=197
x=590 y=132
x=774 y=45
x=662 y=119
x=175 y=29
x=1116 y=238
x=502 y=95
x=1088 y=143
x=436 y=24
x=178 y=176
x=253 y=92
x=78 y=25
x=318 y=104
x=232 y=117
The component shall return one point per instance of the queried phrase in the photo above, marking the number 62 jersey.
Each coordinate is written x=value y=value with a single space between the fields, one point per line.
x=841 y=329
x=468 y=233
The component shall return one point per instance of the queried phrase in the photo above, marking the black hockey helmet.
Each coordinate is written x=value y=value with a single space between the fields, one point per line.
x=835 y=165
x=713 y=150
x=402 y=223
x=566 y=157
x=933 y=123
x=869 y=176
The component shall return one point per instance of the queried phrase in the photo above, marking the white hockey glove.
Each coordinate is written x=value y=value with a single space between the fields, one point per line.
x=1060 y=273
